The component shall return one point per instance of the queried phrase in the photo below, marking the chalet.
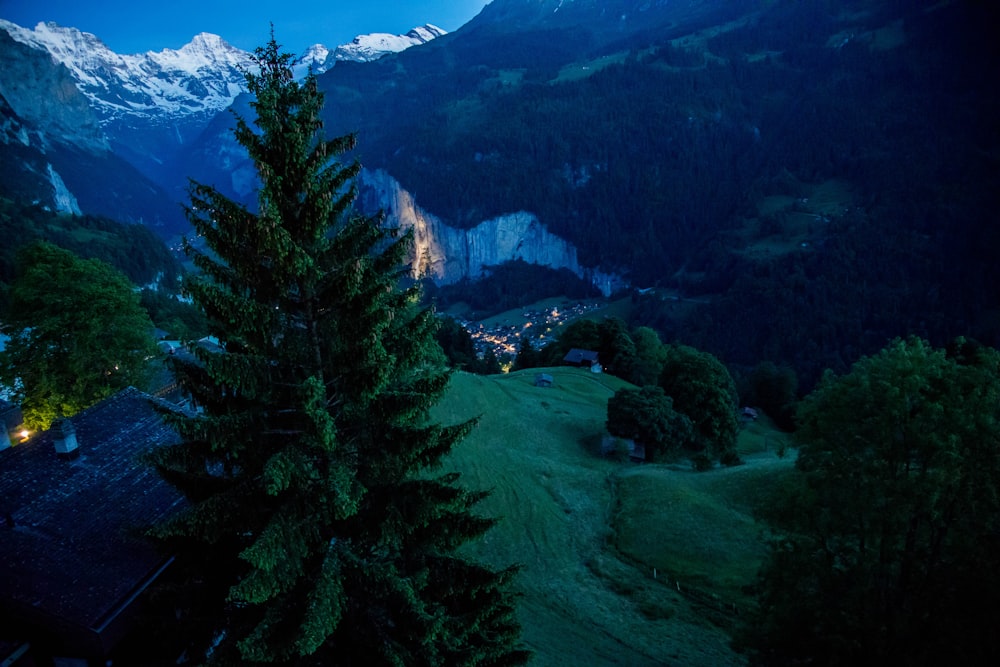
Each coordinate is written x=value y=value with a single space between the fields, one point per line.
x=74 y=501
x=582 y=358
x=543 y=380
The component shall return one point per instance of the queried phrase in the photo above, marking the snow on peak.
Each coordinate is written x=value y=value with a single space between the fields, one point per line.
x=363 y=48
x=203 y=75
x=315 y=58
x=426 y=33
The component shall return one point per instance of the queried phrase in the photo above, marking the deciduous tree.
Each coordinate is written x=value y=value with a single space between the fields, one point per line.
x=318 y=531
x=78 y=334
x=647 y=416
x=702 y=389
x=890 y=540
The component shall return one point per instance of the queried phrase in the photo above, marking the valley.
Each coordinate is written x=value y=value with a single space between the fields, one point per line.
x=787 y=206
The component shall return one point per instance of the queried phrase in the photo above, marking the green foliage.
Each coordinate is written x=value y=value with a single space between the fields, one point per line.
x=888 y=550
x=773 y=389
x=650 y=354
x=182 y=320
x=647 y=416
x=132 y=249
x=583 y=334
x=703 y=390
x=78 y=334
x=527 y=356
x=316 y=532
x=488 y=364
x=511 y=285
x=456 y=343
x=616 y=350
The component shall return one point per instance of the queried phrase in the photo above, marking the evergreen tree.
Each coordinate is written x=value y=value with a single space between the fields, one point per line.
x=527 y=355
x=456 y=344
x=488 y=364
x=315 y=531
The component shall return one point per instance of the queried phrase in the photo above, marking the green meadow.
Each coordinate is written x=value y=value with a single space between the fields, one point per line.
x=622 y=563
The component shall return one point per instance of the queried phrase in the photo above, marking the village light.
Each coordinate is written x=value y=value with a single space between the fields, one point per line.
x=24 y=434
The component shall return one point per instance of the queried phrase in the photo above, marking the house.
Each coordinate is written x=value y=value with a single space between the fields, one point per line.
x=74 y=501
x=543 y=380
x=583 y=358
x=11 y=423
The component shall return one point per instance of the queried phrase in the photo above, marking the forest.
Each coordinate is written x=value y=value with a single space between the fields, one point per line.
x=132 y=249
x=689 y=167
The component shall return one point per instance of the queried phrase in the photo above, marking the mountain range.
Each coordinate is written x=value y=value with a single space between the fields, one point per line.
x=68 y=97
x=823 y=173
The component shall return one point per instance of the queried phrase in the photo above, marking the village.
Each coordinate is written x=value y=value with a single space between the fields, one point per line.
x=503 y=334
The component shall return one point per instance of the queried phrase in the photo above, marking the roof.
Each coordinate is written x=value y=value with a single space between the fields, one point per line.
x=578 y=356
x=70 y=531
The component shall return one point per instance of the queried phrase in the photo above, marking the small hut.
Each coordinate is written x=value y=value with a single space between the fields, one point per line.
x=543 y=380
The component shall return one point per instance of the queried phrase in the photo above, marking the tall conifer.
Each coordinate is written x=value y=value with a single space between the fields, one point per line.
x=317 y=531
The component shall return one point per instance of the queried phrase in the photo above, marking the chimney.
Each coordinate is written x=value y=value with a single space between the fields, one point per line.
x=64 y=438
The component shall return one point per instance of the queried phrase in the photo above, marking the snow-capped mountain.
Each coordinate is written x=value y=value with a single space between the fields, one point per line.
x=363 y=48
x=366 y=48
x=202 y=76
x=149 y=106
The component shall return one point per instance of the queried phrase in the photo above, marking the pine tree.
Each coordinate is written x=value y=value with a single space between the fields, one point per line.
x=316 y=531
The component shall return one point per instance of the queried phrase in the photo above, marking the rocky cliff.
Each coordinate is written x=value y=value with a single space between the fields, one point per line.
x=45 y=95
x=447 y=254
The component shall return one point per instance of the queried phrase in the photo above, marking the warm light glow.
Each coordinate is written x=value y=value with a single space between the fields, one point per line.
x=25 y=433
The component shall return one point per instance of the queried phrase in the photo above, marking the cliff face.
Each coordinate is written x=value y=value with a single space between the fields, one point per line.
x=44 y=94
x=447 y=254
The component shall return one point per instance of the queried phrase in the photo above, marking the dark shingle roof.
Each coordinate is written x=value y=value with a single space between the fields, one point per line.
x=70 y=531
x=578 y=356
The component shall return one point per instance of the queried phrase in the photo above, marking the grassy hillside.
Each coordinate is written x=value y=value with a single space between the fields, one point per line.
x=589 y=532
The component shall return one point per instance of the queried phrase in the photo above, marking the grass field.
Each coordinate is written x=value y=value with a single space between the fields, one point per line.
x=589 y=532
x=802 y=220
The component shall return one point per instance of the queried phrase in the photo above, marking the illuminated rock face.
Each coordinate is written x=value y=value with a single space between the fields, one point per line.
x=447 y=254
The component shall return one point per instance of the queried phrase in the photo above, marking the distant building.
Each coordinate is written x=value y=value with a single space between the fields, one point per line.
x=73 y=502
x=543 y=380
x=582 y=358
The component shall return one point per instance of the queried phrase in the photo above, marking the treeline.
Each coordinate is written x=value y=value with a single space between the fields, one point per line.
x=132 y=249
x=510 y=285
x=655 y=166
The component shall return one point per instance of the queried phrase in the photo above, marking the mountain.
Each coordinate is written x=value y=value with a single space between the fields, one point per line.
x=822 y=173
x=143 y=108
x=54 y=151
x=147 y=104
x=363 y=48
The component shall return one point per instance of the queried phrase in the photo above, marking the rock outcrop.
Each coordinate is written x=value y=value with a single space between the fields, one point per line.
x=447 y=254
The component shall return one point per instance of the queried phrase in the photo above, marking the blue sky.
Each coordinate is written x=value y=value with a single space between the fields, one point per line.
x=136 y=26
